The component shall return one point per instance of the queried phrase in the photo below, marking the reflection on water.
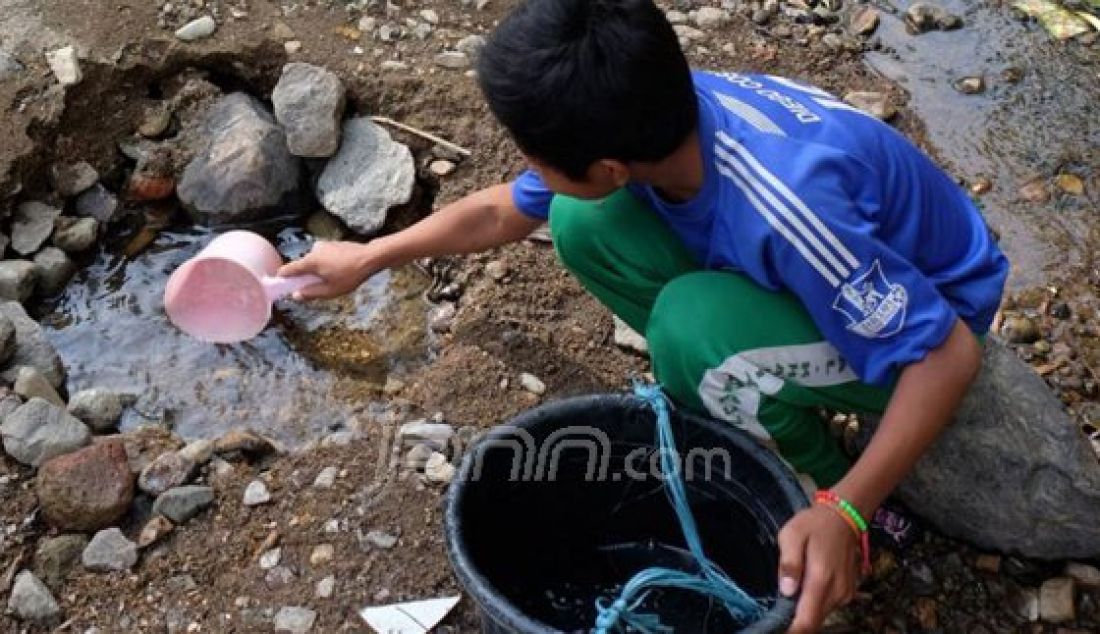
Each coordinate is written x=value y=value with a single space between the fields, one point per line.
x=111 y=331
x=1037 y=126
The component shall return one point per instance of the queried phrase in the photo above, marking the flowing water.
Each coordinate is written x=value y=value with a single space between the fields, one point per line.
x=1036 y=118
x=301 y=378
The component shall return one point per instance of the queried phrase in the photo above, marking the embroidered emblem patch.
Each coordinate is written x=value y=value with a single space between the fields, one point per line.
x=874 y=306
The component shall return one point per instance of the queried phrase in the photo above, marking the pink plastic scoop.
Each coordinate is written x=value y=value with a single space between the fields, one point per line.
x=224 y=294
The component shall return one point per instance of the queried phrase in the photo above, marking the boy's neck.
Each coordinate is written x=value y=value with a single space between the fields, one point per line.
x=679 y=176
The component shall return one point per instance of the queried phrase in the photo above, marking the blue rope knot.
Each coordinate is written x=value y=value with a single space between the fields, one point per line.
x=711 y=580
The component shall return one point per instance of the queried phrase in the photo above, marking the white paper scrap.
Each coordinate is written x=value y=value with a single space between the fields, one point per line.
x=414 y=617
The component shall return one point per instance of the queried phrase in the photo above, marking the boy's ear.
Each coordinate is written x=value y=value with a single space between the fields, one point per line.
x=609 y=171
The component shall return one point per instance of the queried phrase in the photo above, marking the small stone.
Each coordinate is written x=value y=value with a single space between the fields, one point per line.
x=417 y=457
x=876 y=104
x=970 y=85
x=367 y=24
x=454 y=60
x=326 y=479
x=394 y=65
x=30 y=383
x=38 y=431
x=244 y=441
x=532 y=383
x=381 y=540
x=65 y=65
x=429 y=16
x=865 y=21
x=688 y=33
x=292 y=47
x=108 y=551
x=197 y=29
x=70 y=179
x=183 y=503
x=309 y=103
x=338 y=439
x=471 y=46
x=626 y=337
x=325 y=226
x=294 y=620
x=256 y=494
x=322 y=554
x=1084 y=575
x=708 y=18
x=56 y=557
x=1070 y=184
x=390 y=32
x=100 y=409
x=981 y=185
x=198 y=451
x=393 y=386
x=1056 y=600
x=9 y=66
x=497 y=270
x=442 y=168
x=271 y=558
x=31 y=600
x=181 y=583
x=1020 y=329
x=1027 y=605
x=438 y=470
x=436 y=435
x=442 y=318
x=154 y=531
x=169 y=470
x=31 y=227
x=676 y=17
x=326 y=587
x=155 y=121
x=990 y=563
x=76 y=235
x=53 y=270
x=1035 y=191
x=761 y=17
x=17 y=280
x=278 y=577
x=833 y=41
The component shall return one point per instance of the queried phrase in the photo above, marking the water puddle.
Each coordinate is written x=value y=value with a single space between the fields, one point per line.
x=305 y=375
x=1035 y=118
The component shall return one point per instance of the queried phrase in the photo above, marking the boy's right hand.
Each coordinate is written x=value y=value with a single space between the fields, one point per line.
x=342 y=265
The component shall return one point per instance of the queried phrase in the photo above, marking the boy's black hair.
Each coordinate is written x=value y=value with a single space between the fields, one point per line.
x=576 y=81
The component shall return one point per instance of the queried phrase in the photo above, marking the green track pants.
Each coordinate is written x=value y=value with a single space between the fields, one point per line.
x=719 y=343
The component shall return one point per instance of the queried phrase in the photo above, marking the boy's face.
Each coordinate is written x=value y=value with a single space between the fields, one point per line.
x=604 y=178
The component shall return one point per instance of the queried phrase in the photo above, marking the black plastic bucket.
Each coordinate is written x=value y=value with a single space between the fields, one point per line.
x=565 y=503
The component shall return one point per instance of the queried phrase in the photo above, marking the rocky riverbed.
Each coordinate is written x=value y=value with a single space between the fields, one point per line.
x=121 y=511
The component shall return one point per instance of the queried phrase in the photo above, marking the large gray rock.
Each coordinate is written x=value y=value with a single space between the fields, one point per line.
x=309 y=103
x=370 y=174
x=109 y=550
x=183 y=503
x=9 y=66
x=31 y=226
x=38 y=431
x=31 y=600
x=97 y=407
x=69 y=179
x=17 y=280
x=98 y=203
x=57 y=556
x=73 y=235
x=53 y=270
x=88 y=489
x=1013 y=472
x=245 y=172
x=31 y=347
x=29 y=383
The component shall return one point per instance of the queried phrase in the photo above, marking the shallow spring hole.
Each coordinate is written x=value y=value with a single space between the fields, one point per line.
x=304 y=376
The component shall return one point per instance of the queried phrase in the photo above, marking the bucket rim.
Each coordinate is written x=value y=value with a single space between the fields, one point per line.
x=492 y=602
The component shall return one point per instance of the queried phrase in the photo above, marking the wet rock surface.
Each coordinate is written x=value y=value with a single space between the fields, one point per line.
x=38 y=431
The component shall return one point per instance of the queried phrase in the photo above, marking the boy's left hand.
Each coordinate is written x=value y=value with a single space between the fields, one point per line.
x=819 y=553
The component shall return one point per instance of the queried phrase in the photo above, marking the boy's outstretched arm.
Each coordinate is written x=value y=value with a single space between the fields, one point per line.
x=817 y=549
x=480 y=221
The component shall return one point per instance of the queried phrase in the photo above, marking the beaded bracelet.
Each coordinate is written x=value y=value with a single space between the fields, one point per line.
x=851 y=516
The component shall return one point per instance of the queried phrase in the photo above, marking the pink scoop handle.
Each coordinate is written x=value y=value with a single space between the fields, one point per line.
x=278 y=287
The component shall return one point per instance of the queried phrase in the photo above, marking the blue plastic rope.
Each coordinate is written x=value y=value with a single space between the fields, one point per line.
x=711 y=581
